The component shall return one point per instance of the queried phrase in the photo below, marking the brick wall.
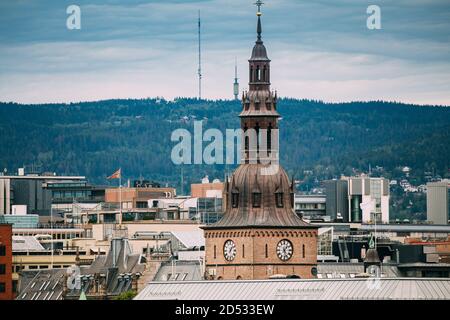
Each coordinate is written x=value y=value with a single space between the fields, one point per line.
x=6 y=260
x=251 y=261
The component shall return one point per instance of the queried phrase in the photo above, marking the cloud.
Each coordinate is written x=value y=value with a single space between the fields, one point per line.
x=320 y=49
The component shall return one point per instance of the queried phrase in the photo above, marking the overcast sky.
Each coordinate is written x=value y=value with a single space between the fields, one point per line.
x=320 y=49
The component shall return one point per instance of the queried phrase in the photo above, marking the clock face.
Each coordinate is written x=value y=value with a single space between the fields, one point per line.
x=229 y=250
x=284 y=250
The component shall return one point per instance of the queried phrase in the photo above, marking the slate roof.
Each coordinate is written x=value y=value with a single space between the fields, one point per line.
x=41 y=285
x=115 y=271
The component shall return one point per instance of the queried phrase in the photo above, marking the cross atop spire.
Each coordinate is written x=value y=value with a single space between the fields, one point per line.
x=259 y=3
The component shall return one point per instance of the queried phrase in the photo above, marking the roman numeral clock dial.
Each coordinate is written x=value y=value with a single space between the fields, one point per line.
x=284 y=250
x=229 y=250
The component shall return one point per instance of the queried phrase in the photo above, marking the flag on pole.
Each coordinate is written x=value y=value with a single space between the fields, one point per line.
x=116 y=175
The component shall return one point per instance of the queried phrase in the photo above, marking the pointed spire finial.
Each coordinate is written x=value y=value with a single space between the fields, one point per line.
x=259 y=3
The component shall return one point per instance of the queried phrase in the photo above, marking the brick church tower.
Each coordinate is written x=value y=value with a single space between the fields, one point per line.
x=259 y=235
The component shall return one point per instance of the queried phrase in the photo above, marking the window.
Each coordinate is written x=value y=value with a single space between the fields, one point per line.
x=269 y=137
x=247 y=143
x=142 y=204
x=215 y=252
x=256 y=199
x=2 y=287
x=279 y=199
x=2 y=250
x=235 y=199
x=2 y=269
x=303 y=251
x=243 y=251
x=267 y=251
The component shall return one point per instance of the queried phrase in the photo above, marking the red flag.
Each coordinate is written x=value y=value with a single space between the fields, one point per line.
x=115 y=175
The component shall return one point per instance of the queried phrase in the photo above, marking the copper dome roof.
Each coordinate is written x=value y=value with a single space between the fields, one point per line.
x=259 y=52
x=248 y=179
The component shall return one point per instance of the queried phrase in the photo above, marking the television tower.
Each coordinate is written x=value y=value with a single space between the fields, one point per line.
x=199 y=58
x=236 y=83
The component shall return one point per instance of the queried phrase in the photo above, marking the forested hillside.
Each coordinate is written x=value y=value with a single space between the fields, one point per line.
x=95 y=138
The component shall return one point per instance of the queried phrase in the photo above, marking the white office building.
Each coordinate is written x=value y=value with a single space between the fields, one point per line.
x=438 y=202
x=368 y=199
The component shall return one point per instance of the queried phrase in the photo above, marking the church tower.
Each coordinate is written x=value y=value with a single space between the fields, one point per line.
x=259 y=235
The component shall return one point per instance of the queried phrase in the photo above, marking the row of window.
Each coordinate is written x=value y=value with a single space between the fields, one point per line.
x=177 y=276
x=56 y=236
x=44 y=266
x=71 y=194
x=256 y=199
x=259 y=74
x=258 y=105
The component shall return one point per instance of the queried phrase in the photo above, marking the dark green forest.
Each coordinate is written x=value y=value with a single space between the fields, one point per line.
x=96 y=138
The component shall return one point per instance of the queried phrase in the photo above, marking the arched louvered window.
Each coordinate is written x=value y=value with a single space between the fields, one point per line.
x=269 y=138
x=257 y=136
